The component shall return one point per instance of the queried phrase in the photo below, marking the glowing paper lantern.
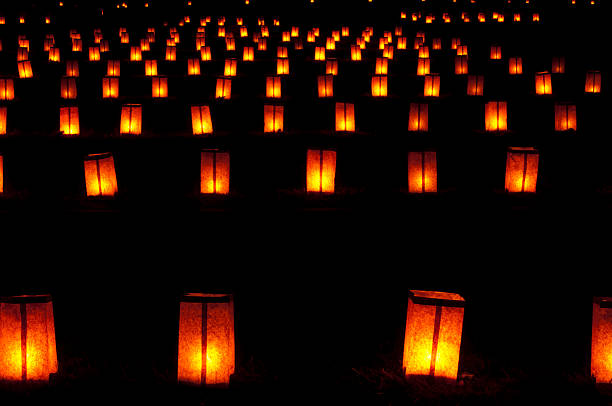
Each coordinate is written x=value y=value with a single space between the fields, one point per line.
x=325 y=85
x=7 y=89
x=131 y=119
x=214 y=173
x=381 y=67
x=418 y=117
x=68 y=88
x=113 y=68
x=72 y=69
x=423 y=66
x=431 y=87
x=273 y=118
x=355 y=53
x=434 y=324
x=200 y=120
x=224 y=88
x=496 y=116
x=565 y=117
x=282 y=66
x=230 y=67
x=27 y=338
x=379 y=86
x=69 y=120
x=171 y=53
x=273 y=87
x=543 y=83
x=345 y=117
x=422 y=172
x=94 y=54
x=25 y=69
x=601 y=340
x=248 y=54
x=110 y=88
x=150 y=67
x=159 y=87
x=496 y=53
x=475 y=85
x=593 y=82
x=331 y=67
x=100 y=177
x=558 y=64
x=461 y=65
x=320 y=171
x=3 y=120
x=515 y=65
x=206 y=348
x=193 y=67
x=522 y=170
x=319 y=53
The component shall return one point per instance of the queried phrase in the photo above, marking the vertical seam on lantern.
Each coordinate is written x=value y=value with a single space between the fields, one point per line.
x=99 y=176
x=214 y=159
x=525 y=157
x=204 y=342
x=434 y=345
x=321 y=171
x=24 y=341
x=423 y=172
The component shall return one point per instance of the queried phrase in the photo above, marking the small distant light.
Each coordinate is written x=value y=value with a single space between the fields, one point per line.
x=146 y=5
x=61 y=4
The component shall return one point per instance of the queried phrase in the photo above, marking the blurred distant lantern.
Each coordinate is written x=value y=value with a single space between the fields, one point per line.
x=159 y=87
x=48 y=43
x=522 y=169
x=3 y=115
x=482 y=18
x=355 y=53
x=230 y=44
x=496 y=52
x=379 y=86
x=424 y=52
x=402 y=43
x=310 y=36
x=171 y=53
x=330 y=44
x=496 y=116
x=543 y=83
x=422 y=172
x=77 y=45
x=205 y=54
x=7 y=89
x=462 y=50
x=27 y=338
x=282 y=66
x=131 y=119
x=336 y=35
x=221 y=32
x=298 y=44
x=100 y=177
x=345 y=117
x=68 y=88
x=418 y=117
x=105 y=46
x=475 y=85
x=434 y=325
x=244 y=32
x=436 y=44
x=517 y=17
x=319 y=53
x=388 y=51
x=262 y=44
x=113 y=68
x=461 y=65
x=282 y=52
x=423 y=66
x=515 y=65
x=331 y=67
x=230 y=67
x=69 y=120
x=455 y=42
x=22 y=54
x=536 y=17
x=273 y=118
x=200 y=120
x=325 y=86
x=72 y=69
x=565 y=117
x=54 y=54
x=320 y=171
x=214 y=172
x=94 y=54
x=381 y=67
x=273 y=87
x=110 y=88
x=224 y=88
x=558 y=64
x=286 y=36
x=432 y=85
x=150 y=67
x=200 y=42
x=193 y=67
x=124 y=38
x=25 y=69
x=248 y=54
x=593 y=82
x=206 y=352
x=136 y=54
x=601 y=340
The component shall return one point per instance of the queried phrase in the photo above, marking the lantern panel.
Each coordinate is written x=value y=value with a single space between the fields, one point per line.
x=215 y=172
x=273 y=87
x=159 y=87
x=69 y=120
x=543 y=83
x=3 y=115
x=593 y=82
x=100 y=177
x=496 y=116
x=418 y=117
x=200 y=120
x=422 y=172
x=565 y=117
x=7 y=89
x=320 y=171
x=325 y=85
x=345 y=117
x=224 y=88
x=379 y=86
x=131 y=119
x=273 y=118
x=475 y=85
x=432 y=86
x=601 y=340
x=522 y=170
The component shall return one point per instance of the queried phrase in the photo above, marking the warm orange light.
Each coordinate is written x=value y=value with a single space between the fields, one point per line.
x=273 y=87
x=282 y=52
x=543 y=83
x=54 y=54
x=475 y=85
x=150 y=67
x=224 y=88
x=159 y=87
x=434 y=325
x=388 y=51
x=496 y=52
x=330 y=44
x=69 y=120
x=381 y=67
x=331 y=67
x=72 y=69
x=25 y=69
x=113 y=68
x=7 y=89
x=593 y=82
x=462 y=50
x=131 y=119
x=135 y=53
x=558 y=64
x=431 y=88
x=418 y=117
x=565 y=117
x=205 y=54
x=496 y=116
x=248 y=54
x=1 y=160
x=193 y=67
x=379 y=86
x=461 y=65
x=206 y=352
x=424 y=52
x=94 y=54
x=200 y=120
x=22 y=54
x=230 y=67
x=319 y=53
x=436 y=44
x=282 y=66
x=355 y=53
x=171 y=52
x=77 y=45
x=423 y=66
x=100 y=177
x=273 y=118
x=325 y=85
x=3 y=114
x=320 y=171
x=515 y=66
x=601 y=340
x=522 y=170
x=68 y=88
x=262 y=44
x=110 y=87
x=345 y=117
x=402 y=43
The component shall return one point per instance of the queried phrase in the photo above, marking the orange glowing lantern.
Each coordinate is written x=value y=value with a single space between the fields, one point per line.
x=159 y=87
x=496 y=52
x=565 y=117
x=69 y=120
x=388 y=51
x=25 y=69
x=206 y=352
x=434 y=325
x=330 y=44
x=418 y=117
x=273 y=118
x=214 y=172
x=496 y=116
x=515 y=65
x=355 y=53
x=200 y=120
x=248 y=54
x=461 y=65
x=94 y=54
x=536 y=17
x=379 y=86
x=105 y=46
x=273 y=87
x=113 y=68
x=135 y=53
x=68 y=88
x=244 y=32
x=3 y=115
x=286 y=36
x=593 y=82
x=54 y=54
x=282 y=52
x=424 y=52
x=27 y=338
x=436 y=44
x=200 y=42
x=224 y=88
x=230 y=44
x=402 y=43
x=601 y=340
x=193 y=67
x=331 y=67
x=131 y=119
x=558 y=64
x=522 y=170
x=22 y=54
x=462 y=50
x=345 y=117
x=320 y=171
x=543 y=83
x=100 y=177
x=171 y=52
x=72 y=69
x=423 y=66
x=475 y=85
x=282 y=66
x=205 y=54
x=262 y=44
x=381 y=67
x=319 y=53
x=7 y=89
x=151 y=67
x=298 y=44
x=230 y=67
x=431 y=88
x=326 y=85
x=110 y=87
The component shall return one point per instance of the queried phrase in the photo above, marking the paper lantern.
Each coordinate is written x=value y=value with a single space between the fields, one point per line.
x=319 y=53
x=224 y=88
x=22 y=54
x=131 y=119
x=330 y=44
x=136 y=54
x=593 y=82
x=273 y=118
x=159 y=87
x=206 y=348
x=475 y=85
x=381 y=67
x=320 y=171
x=565 y=117
x=230 y=44
x=536 y=17
x=355 y=53
x=298 y=44
x=286 y=36
x=69 y=120
x=515 y=65
x=110 y=88
x=230 y=67
x=282 y=52
x=462 y=50
x=100 y=177
x=248 y=54
x=205 y=54
x=521 y=170
x=310 y=36
x=193 y=67
x=331 y=67
x=431 y=87
x=200 y=120
x=423 y=66
x=543 y=83
x=601 y=340
x=244 y=32
x=379 y=86
x=94 y=54
x=388 y=51
x=434 y=325
x=496 y=52
x=7 y=89
x=282 y=66
x=558 y=64
x=25 y=69
x=113 y=68
x=54 y=54
x=124 y=37
x=325 y=85
x=273 y=87
x=200 y=42
x=105 y=46
x=262 y=45
x=77 y=45
x=295 y=32
x=68 y=88
x=27 y=338
x=345 y=117
x=402 y=43
x=424 y=52
x=150 y=67
x=436 y=44
x=461 y=65
x=221 y=32
x=418 y=117
x=422 y=172
x=72 y=69
x=3 y=114
x=214 y=174
x=171 y=53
